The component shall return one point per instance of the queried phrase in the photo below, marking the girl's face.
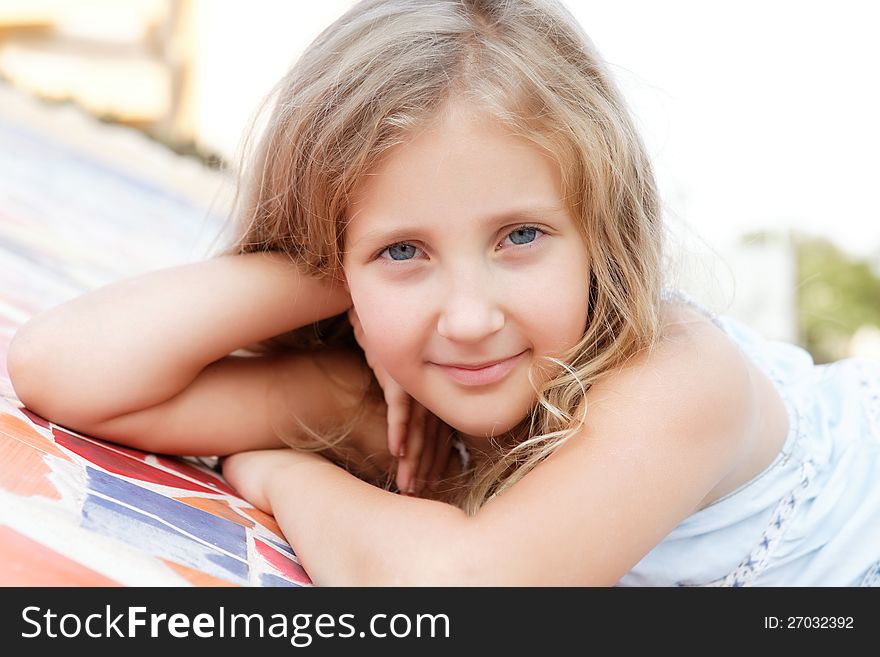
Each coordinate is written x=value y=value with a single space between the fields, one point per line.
x=459 y=250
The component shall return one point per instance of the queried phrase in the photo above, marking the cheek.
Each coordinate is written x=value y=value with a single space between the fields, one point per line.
x=555 y=307
x=391 y=324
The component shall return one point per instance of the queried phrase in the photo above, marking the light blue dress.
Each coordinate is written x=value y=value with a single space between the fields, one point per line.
x=812 y=517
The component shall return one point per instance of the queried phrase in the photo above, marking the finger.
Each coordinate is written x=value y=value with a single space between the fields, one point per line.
x=398 y=418
x=415 y=439
x=399 y=406
x=355 y=323
x=429 y=450
x=358 y=333
x=405 y=469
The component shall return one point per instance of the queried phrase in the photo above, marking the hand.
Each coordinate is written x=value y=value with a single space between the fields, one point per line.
x=249 y=473
x=419 y=439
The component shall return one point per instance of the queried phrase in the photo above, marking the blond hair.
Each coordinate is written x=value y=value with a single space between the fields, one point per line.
x=388 y=67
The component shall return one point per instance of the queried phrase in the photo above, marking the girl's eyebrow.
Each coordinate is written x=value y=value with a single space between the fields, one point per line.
x=388 y=235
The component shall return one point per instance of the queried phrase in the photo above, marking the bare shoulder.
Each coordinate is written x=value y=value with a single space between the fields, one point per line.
x=752 y=394
x=693 y=361
x=720 y=394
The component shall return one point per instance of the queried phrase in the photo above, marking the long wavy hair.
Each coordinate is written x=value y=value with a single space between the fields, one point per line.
x=388 y=67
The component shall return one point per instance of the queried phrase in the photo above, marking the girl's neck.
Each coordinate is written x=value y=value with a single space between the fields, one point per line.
x=481 y=448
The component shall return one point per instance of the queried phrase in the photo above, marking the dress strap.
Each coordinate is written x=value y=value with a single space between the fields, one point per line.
x=673 y=295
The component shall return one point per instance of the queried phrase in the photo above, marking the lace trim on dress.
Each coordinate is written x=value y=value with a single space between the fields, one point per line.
x=671 y=294
x=869 y=383
x=872 y=577
x=754 y=564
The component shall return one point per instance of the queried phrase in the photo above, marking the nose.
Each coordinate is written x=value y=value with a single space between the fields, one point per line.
x=469 y=312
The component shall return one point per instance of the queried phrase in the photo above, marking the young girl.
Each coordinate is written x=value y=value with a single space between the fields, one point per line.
x=449 y=265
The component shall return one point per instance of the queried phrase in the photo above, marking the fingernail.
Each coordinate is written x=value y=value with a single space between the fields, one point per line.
x=400 y=452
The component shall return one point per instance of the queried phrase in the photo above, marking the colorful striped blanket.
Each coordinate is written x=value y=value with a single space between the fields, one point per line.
x=83 y=204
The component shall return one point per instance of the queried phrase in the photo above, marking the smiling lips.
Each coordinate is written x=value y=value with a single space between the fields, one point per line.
x=482 y=375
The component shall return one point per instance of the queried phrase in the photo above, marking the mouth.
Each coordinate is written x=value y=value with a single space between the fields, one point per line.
x=483 y=375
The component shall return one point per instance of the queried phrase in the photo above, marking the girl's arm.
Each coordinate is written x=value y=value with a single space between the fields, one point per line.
x=139 y=342
x=347 y=532
x=658 y=437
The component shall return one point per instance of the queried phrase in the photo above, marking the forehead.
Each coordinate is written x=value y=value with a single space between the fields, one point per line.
x=466 y=164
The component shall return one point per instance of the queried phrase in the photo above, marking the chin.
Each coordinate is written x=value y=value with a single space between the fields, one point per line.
x=482 y=429
x=471 y=413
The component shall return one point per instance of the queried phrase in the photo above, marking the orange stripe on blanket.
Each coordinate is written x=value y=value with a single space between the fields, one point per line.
x=24 y=431
x=28 y=563
x=219 y=508
x=264 y=519
x=23 y=471
x=197 y=577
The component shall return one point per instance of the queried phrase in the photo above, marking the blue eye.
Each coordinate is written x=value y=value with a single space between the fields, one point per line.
x=524 y=231
x=521 y=236
x=404 y=250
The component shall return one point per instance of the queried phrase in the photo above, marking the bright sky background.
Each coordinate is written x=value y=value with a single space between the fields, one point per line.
x=760 y=115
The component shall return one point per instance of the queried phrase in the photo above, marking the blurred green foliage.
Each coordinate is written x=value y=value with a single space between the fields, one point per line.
x=836 y=294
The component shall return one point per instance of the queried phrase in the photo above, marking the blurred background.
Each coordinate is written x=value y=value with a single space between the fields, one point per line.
x=761 y=119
